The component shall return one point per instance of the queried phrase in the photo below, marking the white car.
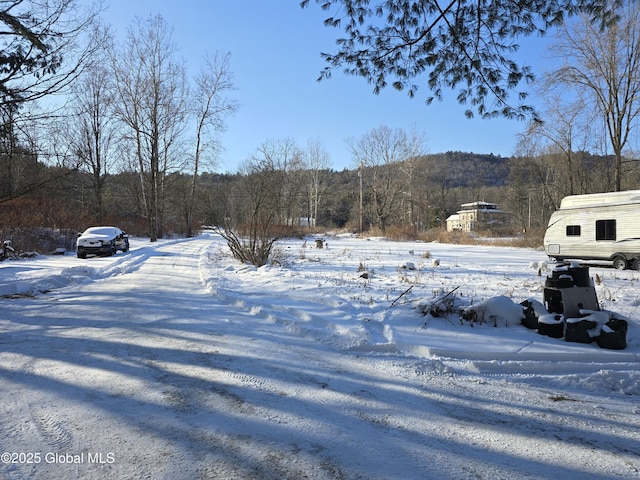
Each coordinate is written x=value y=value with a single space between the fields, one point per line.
x=101 y=241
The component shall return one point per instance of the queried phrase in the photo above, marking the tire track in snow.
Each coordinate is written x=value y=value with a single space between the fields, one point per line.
x=53 y=431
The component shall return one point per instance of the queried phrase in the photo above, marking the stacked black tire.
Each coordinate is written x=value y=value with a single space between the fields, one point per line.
x=603 y=328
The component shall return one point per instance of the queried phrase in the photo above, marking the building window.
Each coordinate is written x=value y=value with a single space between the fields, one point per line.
x=605 y=229
x=573 y=230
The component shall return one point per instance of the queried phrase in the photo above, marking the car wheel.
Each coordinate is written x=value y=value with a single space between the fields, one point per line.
x=82 y=255
x=636 y=264
x=619 y=263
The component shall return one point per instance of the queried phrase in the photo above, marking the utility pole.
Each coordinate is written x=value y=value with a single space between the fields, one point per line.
x=529 y=211
x=361 y=208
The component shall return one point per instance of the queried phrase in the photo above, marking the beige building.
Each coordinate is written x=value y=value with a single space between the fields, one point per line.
x=477 y=216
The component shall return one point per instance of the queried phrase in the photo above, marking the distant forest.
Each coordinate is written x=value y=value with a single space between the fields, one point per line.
x=414 y=196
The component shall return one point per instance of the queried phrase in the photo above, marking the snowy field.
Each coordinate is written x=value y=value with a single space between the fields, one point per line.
x=173 y=361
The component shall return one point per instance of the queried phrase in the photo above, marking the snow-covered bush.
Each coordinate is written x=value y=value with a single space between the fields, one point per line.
x=254 y=248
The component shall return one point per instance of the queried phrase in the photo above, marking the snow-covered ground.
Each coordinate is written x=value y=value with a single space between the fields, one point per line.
x=174 y=361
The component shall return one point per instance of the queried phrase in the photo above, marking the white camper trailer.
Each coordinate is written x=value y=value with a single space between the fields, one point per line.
x=599 y=226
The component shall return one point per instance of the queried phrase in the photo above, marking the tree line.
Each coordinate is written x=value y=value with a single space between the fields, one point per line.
x=280 y=191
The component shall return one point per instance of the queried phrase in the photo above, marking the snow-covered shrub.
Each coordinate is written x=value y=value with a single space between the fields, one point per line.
x=254 y=248
x=494 y=310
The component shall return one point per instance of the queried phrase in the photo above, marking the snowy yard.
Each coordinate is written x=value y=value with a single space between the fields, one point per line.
x=173 y=361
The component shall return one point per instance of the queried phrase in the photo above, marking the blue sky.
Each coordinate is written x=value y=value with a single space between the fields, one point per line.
x=275 y=58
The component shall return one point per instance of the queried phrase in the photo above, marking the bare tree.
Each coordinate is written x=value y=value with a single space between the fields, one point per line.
x=211 y=107
x=380 y=153
x=95 y=129
x=269 y=195
x=316 y=166
x=605 y=65
x=565 y=134
x=249 y=227
x=411 y=167
x=282 y=161
x=151 y=98
x=15 y=161
x=46 y=45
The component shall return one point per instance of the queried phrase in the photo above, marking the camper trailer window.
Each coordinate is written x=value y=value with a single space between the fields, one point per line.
x=573 y=230
x=605 y=229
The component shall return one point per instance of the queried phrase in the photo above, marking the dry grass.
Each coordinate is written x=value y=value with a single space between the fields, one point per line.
x=41 y=240
x=532 y=239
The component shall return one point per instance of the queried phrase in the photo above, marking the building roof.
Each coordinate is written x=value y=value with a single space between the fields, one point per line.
x=485 y=206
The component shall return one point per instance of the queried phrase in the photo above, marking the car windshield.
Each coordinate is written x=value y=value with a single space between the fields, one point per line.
x=100 y=231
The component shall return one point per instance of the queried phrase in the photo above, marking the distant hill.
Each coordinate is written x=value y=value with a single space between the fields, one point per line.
x=462 y=169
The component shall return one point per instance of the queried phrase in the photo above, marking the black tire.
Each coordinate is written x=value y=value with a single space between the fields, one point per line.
x=636 y=264
x=619 y=263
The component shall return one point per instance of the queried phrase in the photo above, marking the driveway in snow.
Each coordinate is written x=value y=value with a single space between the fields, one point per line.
x=175 y=362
